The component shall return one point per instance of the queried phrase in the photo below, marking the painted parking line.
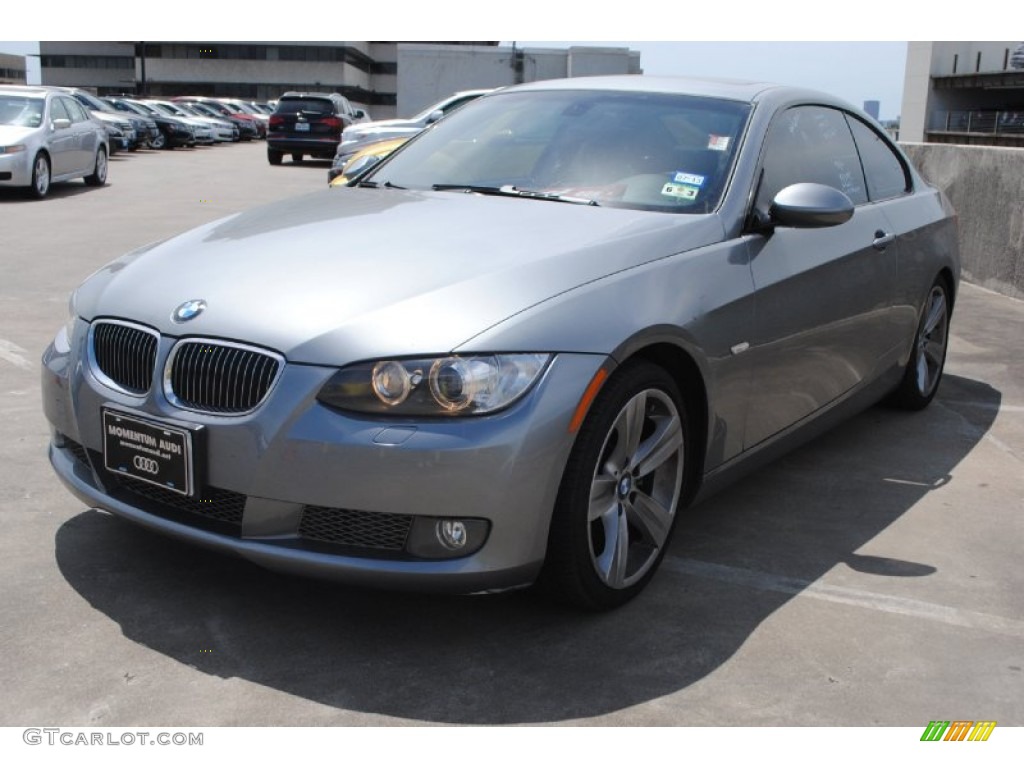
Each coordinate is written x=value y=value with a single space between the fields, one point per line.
x=14 y=354
x=858 y=597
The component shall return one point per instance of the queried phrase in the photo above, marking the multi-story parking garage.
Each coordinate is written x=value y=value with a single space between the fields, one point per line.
x=964 y=93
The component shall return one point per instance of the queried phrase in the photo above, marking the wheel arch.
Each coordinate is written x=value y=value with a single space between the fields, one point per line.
x=946 y=275
x=671 y=353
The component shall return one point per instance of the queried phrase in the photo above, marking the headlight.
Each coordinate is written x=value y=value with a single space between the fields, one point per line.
x=442 y=386
x=62 y=342
x=11 y=149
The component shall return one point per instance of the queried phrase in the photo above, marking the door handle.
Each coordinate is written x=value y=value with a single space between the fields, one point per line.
x=882 y=240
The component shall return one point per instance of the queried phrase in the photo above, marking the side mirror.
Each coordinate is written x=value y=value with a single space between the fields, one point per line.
x=60 y=124
x=358 y=114
x=362 y=165
x=434 y=116
x=810 y=205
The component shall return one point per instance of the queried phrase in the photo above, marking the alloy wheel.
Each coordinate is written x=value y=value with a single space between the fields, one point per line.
x=635 y=488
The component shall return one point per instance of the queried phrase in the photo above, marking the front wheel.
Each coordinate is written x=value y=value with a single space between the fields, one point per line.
x=928 y=357
x=40 y=177
x=159 y=141
x=617 y=501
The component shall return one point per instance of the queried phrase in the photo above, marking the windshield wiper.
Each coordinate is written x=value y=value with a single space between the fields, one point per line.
x=509 y=190
x=375 y=184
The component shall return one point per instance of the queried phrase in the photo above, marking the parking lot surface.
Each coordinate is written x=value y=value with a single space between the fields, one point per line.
x=870 y=578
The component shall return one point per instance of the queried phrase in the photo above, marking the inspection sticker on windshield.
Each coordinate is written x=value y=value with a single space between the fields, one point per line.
x=682 y=191
x=693 y=179
x=721 y=143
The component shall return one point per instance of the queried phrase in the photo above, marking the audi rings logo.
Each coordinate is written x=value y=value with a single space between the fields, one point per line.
x=146 y=464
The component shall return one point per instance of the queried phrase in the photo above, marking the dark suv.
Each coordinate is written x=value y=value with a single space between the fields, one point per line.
x=307 y=124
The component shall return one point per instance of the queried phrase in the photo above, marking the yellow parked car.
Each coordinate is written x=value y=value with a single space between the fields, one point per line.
x=346 y=167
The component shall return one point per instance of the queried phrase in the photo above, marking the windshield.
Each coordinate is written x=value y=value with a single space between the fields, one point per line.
x=444 y=106
x=21 y=111
x=162 y=108
x=90 y=102
x=204 y=110
x=309 y=105
x=651 y=151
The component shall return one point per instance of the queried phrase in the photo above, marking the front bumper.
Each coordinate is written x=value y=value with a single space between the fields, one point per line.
x=16 y=169
x=295 y=453
x=326 y=146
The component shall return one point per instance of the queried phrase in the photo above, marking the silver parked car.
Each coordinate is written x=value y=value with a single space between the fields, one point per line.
x=520 y=346
x=47 y=137
x=363 y=133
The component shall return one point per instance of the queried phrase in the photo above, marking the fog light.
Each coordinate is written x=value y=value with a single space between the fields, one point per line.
x=451 y=533
x=444 y=538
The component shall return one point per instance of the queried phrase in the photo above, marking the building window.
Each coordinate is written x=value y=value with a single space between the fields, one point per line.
x=89 y=62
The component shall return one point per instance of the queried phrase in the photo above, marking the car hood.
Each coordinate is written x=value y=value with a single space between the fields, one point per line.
x=13 y=134
x=110 y=117
x=349 y=274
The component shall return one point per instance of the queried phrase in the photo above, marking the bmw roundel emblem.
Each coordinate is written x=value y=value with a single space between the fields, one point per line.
x=187 y=310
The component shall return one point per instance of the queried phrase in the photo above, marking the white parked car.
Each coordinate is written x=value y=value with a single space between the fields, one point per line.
x=203 y=131
x=222 y=129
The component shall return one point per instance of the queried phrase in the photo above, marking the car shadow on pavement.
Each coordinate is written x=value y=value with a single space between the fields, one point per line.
x=514 y=658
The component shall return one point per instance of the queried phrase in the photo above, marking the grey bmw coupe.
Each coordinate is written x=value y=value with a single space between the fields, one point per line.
x=520 y=346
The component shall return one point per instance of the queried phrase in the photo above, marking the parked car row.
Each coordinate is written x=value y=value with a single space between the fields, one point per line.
x=57 y=133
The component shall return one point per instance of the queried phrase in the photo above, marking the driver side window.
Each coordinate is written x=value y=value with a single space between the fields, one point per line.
x=811 y=144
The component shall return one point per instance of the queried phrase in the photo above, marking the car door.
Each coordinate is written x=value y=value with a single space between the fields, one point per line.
x=84 y=130
x=61 y=139
x=823 y=295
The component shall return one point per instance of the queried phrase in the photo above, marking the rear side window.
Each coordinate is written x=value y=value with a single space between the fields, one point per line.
x=886 y=175
x=309 y=105
x=58 y=111
x=811 y=144
x=75 y=111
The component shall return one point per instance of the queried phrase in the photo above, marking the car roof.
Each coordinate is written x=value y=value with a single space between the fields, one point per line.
x=23 y=90
x=749 y=91
x=307 y=94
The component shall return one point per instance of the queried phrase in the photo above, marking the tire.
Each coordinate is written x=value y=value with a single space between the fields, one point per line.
x=98 y=177
x=40 y=177
x=274 y=157
x=928 y=356
x=159 y=141
x=617 y=501
x=296 y=157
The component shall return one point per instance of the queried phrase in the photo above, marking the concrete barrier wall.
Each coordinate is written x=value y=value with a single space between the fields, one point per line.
x=986 y=186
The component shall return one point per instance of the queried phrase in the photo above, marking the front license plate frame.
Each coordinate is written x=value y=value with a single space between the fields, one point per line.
x=150 y=450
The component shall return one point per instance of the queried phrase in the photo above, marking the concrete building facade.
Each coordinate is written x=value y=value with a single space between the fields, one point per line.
x=12 y=69
x=428 y=73
x=963 y=93
x=388 y=78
